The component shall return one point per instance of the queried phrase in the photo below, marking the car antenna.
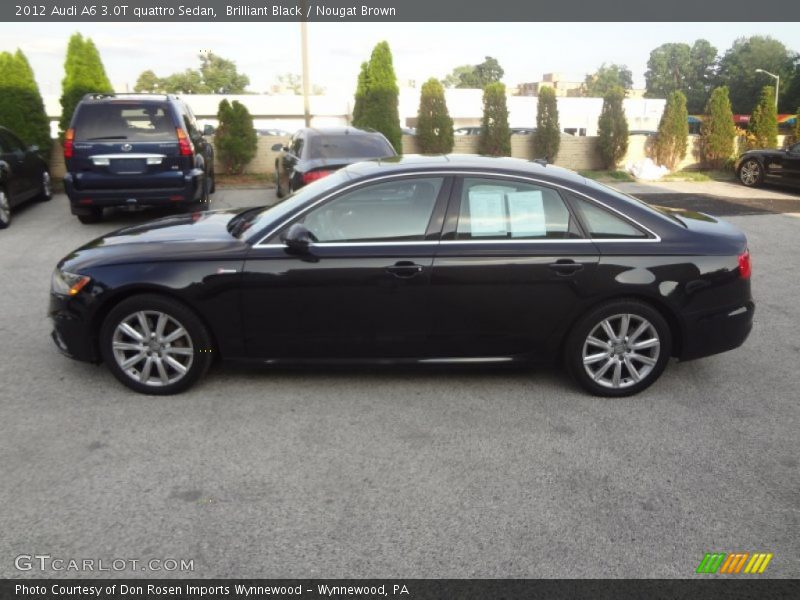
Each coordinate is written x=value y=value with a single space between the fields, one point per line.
x=541 y=161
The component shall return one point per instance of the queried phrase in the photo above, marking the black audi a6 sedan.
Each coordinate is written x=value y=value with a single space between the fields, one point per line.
x=755 y=167
x=448 y=259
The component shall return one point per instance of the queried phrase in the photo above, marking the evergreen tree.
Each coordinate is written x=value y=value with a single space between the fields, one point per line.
x=495 y=138
x=21 y=106
x=83 y=74
x=236 y=139
x=718 y=131
x=361 y=93
x=547 y=139
x=796 y=131
x=673 y=131
x=612 y=129
x=434 y=125
x=379 y=107
x=764 y=120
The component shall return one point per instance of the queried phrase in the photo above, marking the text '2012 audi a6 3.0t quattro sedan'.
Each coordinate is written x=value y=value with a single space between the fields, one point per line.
x=412 y=260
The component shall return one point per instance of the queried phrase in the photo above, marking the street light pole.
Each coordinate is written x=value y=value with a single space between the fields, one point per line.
x=777 y=84
x=304 y=42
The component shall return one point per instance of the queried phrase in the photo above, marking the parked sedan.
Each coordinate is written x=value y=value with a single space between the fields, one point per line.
x=24 y=175
x=314 y=153
x=773 y=166
x=413 y=260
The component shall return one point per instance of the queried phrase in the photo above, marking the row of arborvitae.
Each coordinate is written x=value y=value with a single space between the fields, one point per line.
x=21 y=106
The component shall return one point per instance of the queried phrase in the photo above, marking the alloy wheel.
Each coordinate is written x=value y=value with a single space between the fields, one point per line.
x=152 y=348
x=621 y=350
x=5 y=209
x=47 y=189
x=750 y=172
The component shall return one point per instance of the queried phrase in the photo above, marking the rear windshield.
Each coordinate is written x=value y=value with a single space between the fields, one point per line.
x=348 y=146
x=119 y=121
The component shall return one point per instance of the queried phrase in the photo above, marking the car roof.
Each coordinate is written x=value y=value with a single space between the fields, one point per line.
x=101 y=98
x=463 y=162
x=314 y=131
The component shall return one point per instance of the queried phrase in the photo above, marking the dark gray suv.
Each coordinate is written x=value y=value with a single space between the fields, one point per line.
x=135 y=150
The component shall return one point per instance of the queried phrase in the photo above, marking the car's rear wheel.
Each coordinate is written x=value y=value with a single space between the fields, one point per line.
x=95 y=215
x=619 y=348
x=278 y=189
x=5 y=210
x=751 y=173
x=155 y=345
x=46 y=192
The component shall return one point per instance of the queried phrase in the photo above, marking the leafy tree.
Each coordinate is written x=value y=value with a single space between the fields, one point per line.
x=379 y=108
x=547 y=139
x=216 y=75
x=236 y=139
x=680 y=67
x=796 y=131
x=294 y=83
x=475 y=76
x=434 y=125
x=612 y=129
x=764 y=120
x=361 y=92
x=673 y=131
x=605 y=79
x=495 y=138
x=21 y=106
x=718 y=130
x=83 y=74
x=737 y=69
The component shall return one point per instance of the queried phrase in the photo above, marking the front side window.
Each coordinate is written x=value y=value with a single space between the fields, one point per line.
x=493 y=209
x=10 y=143
x=395 y=211
x=602 y=223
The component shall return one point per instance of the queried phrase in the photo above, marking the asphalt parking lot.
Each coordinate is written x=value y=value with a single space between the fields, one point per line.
x=401 y=473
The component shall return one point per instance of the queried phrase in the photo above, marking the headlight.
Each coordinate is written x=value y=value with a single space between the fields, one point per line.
x=67 y=284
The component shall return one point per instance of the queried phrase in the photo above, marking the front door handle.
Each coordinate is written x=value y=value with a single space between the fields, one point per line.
x=405 y=269
x=565 y=267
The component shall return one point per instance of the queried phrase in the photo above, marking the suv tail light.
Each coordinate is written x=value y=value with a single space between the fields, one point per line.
x=69 y=146
x=745 y=268
x=185 y=144
x=314 y=175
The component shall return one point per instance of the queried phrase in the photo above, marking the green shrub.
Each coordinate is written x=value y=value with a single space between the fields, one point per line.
x=718 y=131
x=673 y=132
x=21 y=106
x=236 y=140
x=547 y=139
x=377 y=97
x=612 y=129
x=495 y=138
x=764 y=121
x=434 y=125
x=83 y=74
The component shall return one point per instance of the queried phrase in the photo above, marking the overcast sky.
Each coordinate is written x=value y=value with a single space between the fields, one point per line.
x=421 y=50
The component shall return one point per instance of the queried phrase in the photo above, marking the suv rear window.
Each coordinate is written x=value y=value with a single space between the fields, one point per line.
x=348 y=146
x=118 y=121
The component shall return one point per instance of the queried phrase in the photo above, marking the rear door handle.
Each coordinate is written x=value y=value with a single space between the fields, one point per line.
x=405 y=269
x=565 y=267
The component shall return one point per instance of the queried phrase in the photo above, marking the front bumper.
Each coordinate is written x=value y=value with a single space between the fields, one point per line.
x=712 y=333
x=71 y=333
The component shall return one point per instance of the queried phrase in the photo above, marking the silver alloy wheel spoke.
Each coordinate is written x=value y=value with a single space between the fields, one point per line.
x=152 y=348
x=621 y=350
x=5 y=208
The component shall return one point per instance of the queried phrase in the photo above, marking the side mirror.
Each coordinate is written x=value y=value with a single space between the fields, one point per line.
x=298 y=239
x=277 y=147
x=209 y=130
x=33 y=148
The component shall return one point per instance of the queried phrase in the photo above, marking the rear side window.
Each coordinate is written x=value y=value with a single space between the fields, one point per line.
x=120 y=121
x=493 y=209
x=348 y=146
x=602 y=223
x=10 y=143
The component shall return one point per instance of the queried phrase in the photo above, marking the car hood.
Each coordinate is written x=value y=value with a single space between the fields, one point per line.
x=179 y=237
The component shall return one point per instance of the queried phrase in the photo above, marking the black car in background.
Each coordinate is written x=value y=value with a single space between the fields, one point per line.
x=445 y=259
x=771 y=166
x=23 y=175
x=133 y=150
x=313 y=153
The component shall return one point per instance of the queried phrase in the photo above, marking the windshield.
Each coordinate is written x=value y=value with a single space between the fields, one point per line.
x=348 y=146
x=658 y=210
x=258 y=220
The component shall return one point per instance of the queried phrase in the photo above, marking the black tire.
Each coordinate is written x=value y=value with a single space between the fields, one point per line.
x=278 y=189
x=751 y=173
x=5 y=209
x=46 y=191
x=195 y=346
x=213 y=187
x=95 y=216
x=633 y=374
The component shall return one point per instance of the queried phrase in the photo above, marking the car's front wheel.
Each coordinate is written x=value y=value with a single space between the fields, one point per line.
x=619 y=348
x=46 y=189
x=5 y=210
x=155 y=345
x=751 y=173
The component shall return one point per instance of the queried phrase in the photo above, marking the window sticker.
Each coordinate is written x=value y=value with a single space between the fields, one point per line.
x=487 y=213
x=526 y=214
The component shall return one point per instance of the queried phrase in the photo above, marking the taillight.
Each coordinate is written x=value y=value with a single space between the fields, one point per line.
x=314 y=175
x=745 y=268
x=69 y=145
x=184 y=143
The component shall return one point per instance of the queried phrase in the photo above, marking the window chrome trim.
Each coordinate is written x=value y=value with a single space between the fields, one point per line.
x=465 y=173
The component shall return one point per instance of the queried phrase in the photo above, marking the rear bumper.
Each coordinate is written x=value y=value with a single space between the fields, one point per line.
x=83 y=201
x=716 y=332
